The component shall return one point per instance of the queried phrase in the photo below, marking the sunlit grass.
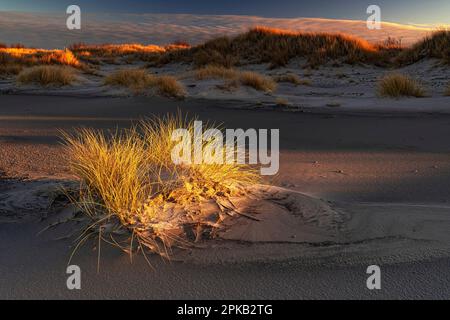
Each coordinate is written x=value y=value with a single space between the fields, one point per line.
x=136 y=80
x=169 y=86
x=128 y=180
x=235 y=77
x=34 y=57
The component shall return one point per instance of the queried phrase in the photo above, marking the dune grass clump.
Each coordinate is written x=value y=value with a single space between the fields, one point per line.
x=236 y=77
x=398 y=85
x=130 y=187
x=47 y=76
x=291 y=78
x=139 y=81
x=169 y=86
x=257 y=81
x=28 y=57
x=136 y=80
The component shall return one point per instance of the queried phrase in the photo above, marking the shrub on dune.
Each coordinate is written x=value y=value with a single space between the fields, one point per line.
x=47 y=76
x=216 y=72
x=62 y=57
x=35 y=57
x=133 y=79
x=130 y=184
x=10 y=69
x=398 y=85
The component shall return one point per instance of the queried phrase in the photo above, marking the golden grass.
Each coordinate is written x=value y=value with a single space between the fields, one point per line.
x=115 y=50
x=398 y=85
x=128 y=178
x=139 y=81
x=47 y=76
x=33 y=57
x=110 y=170
x=291 y=78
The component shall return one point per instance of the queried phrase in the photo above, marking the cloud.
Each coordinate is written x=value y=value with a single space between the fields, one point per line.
x=49 y=30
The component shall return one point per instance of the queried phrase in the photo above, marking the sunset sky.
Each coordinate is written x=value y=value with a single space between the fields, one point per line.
x=401 y=11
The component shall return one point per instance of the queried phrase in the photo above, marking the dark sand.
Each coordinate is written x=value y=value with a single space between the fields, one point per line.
x=371 y=164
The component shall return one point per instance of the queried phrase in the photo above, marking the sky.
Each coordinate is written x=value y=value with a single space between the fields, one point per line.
x=400 y=11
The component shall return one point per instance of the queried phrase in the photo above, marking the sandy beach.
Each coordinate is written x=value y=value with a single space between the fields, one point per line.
x=379 y=183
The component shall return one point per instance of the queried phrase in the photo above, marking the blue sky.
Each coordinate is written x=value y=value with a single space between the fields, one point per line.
x=402 y=11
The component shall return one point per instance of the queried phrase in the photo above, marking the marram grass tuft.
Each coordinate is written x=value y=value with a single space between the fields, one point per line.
x=129 y=183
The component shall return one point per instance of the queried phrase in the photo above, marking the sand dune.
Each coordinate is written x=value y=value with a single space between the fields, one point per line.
x=357 y=190
x=49 y=30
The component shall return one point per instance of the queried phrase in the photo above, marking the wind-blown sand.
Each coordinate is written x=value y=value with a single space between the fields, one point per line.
x=353 y=190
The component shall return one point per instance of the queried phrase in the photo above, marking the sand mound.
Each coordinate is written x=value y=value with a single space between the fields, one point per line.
x=265 y=214
x=273 y=214
x=25 y=199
